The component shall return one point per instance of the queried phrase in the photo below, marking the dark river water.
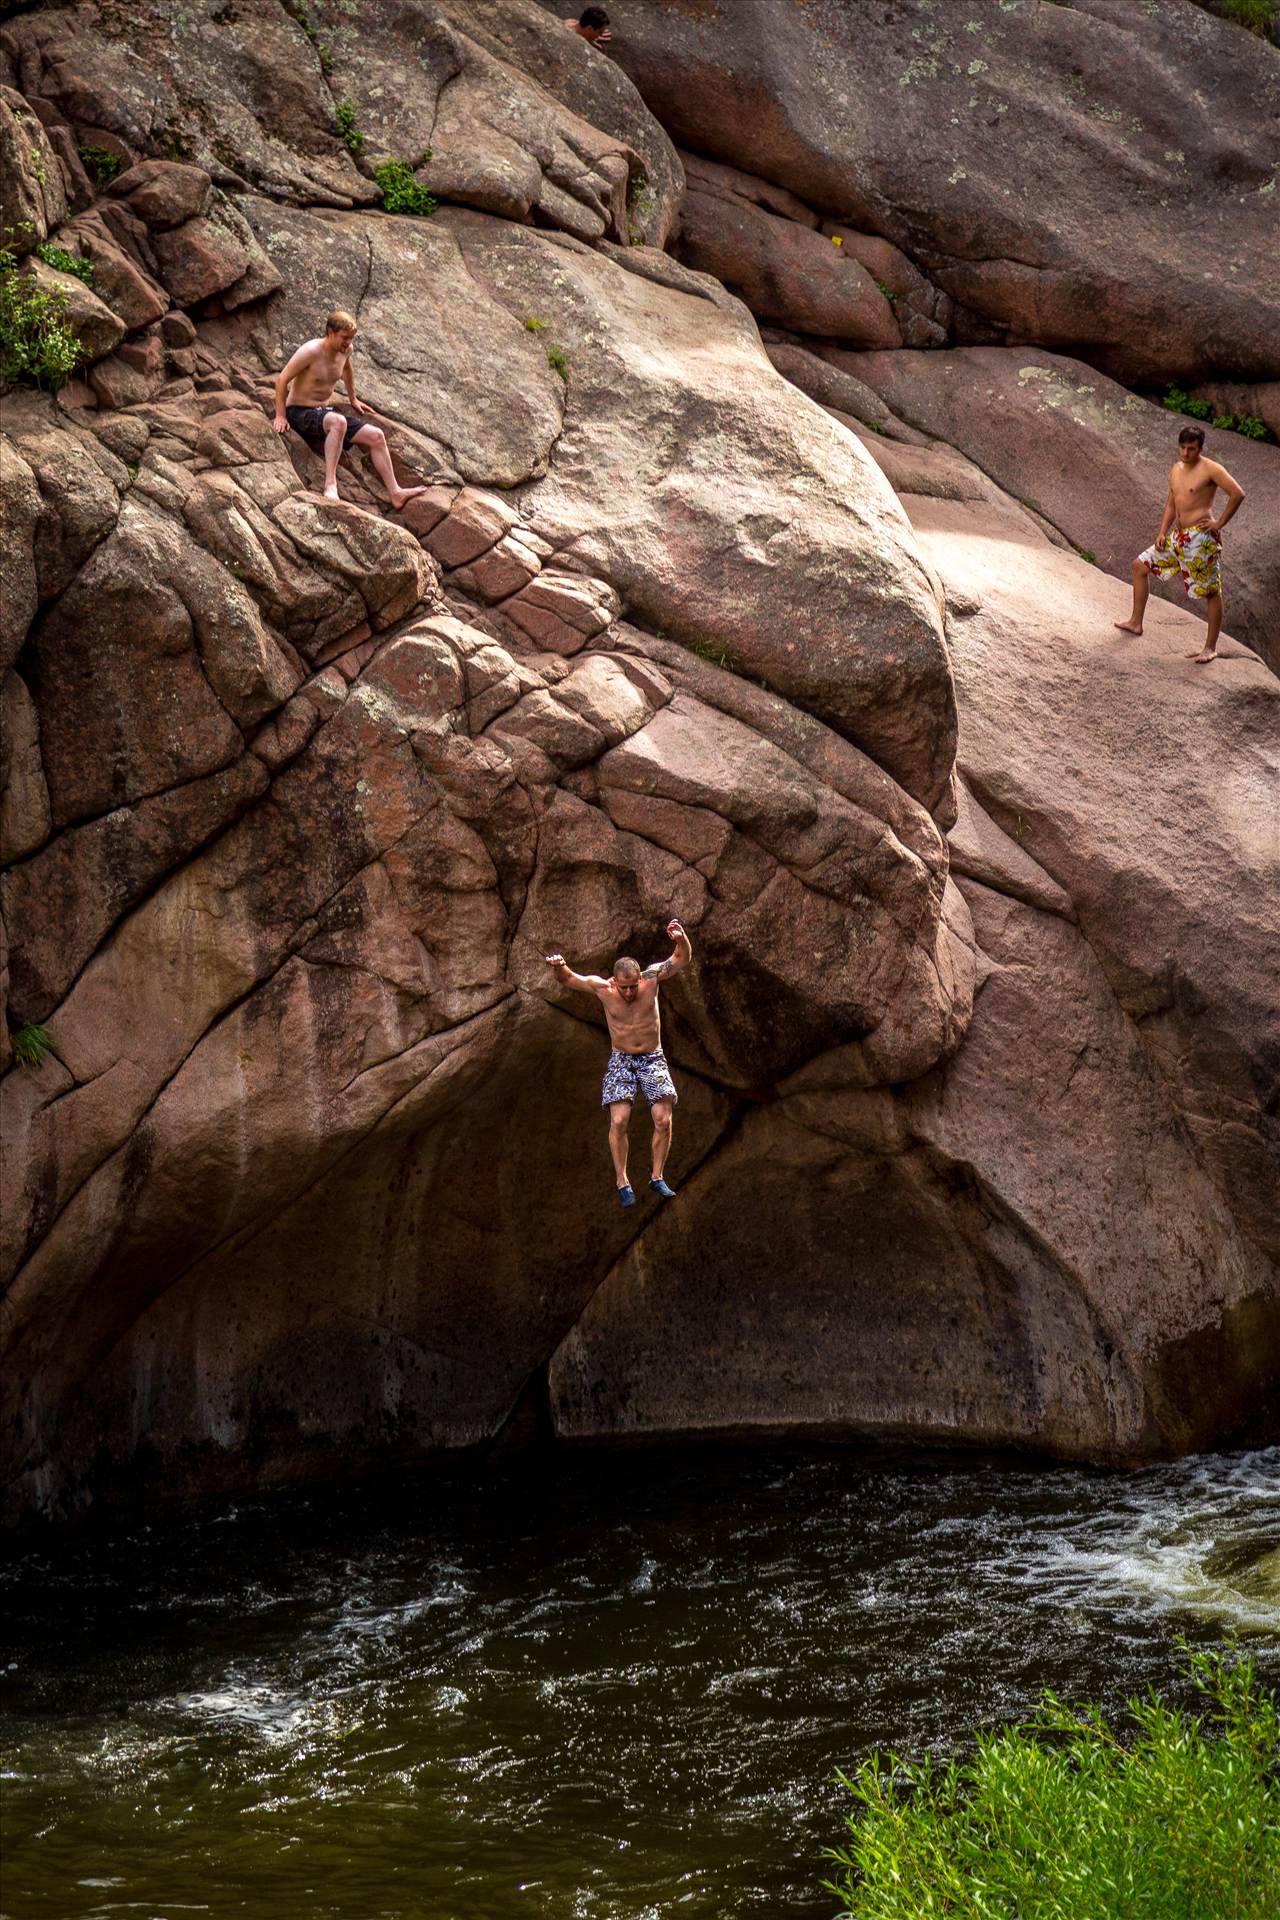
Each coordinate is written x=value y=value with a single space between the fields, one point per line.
x=602 y=1687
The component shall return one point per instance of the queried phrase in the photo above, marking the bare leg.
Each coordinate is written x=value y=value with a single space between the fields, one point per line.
x=1209 y=651
x=374 y=442
x=619 y=1121
x=662 y=1117
x=1141 y=588
x=335 y=428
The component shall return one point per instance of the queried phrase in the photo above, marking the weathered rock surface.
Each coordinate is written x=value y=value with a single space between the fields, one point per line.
x=1032 y=161
x=1093 y=459
x=297 y=794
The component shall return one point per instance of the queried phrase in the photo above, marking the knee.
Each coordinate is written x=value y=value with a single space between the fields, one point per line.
x=334 y=426
x=374 y=437
x=619 y=1122
x=662 y=1122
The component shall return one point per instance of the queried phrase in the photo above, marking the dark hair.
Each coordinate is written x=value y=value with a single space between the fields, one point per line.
x=626 y=968
x=593 y=17
x=1192 y=433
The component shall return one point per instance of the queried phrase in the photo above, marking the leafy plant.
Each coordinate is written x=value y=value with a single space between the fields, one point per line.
x=348 y=132
x=66 y=262
x=324 y=52
x=532 y=324
x=557 y=362
x=642 y=204
x=30 y=1044
x=892 y=298
x=401 y=193
x=1060 y=1819
x=101 y=164
x=1256 y=16
x=1246 y=423
x=37 y=345
x=1087 y=553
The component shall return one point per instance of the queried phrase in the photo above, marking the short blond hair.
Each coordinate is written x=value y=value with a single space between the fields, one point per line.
x=340 y=321
x=626 y=968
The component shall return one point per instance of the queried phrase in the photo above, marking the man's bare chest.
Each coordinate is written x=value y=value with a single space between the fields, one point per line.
x=1193 y=494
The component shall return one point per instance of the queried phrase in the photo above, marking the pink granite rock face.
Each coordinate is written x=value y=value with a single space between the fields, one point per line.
x=976 y=1134
x=943 y=131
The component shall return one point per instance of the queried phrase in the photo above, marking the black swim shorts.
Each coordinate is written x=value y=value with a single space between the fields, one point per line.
x=309 y=422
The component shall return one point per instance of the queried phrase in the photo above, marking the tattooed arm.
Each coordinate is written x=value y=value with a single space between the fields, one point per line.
x=681 y=955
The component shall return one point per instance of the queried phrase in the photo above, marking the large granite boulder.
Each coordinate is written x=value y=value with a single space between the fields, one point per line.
x=1049 y=1237
x=1040 y=164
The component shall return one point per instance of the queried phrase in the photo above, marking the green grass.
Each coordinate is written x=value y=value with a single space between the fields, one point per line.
x=101 y=164
x=557 y=362
x=1246 y=423
x=1062 y=1819
x=401 y=193
x=66 y=262
x=1087 y=553
x=348 y=132
x=30 y=1044
x=717 y=653
x=532 y=324
x=38 y=347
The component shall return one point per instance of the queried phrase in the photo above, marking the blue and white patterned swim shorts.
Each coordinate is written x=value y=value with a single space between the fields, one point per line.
x=627 y=1071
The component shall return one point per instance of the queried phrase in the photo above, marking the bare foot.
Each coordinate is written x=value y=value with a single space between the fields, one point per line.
x=407 y=493
x=1205 y=655
x=1126 y=626
x=331 y=493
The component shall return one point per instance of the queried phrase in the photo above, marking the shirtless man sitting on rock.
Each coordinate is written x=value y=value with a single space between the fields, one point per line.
x=1195 y=550
x=312 y=374
x=630 y=1002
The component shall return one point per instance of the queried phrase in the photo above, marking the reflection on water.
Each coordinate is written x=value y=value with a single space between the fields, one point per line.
x=589 y=1687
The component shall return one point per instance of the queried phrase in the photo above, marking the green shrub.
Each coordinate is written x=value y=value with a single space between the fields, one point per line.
x=101 y=164
x=401 y=193
x=532 y=324
x=1246 y=423
x=1087 y=553
x=1061 y=1820
x=1257 y=16
x=892 y=298
x=642 y=204
x=37 y=345
x=66 y=262
x=30 y=1044
x=348 y=132
x=557 y=362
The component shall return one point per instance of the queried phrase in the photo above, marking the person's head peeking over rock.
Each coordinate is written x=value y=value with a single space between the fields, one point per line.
x=592 y=24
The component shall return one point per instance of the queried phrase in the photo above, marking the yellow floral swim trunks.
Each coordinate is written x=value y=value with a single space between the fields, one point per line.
x=1191 y=552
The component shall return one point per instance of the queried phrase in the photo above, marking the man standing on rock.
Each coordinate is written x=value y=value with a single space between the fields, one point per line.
x=1194 y=551
x=630 y=1002
x=313 y=373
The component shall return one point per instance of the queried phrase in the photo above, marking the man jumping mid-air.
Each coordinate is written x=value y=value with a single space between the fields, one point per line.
x=1189 y=543
x=313 y=373
x=630 y=1002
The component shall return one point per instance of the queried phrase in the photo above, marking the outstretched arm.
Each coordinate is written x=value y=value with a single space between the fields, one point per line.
x=681 y=955
x=1234 y=492
x=584 y=982
x=284 y=379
